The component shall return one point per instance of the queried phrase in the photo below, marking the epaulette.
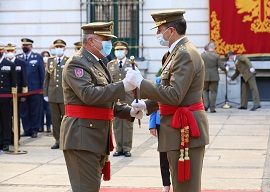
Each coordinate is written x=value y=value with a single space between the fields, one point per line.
x=182 y=47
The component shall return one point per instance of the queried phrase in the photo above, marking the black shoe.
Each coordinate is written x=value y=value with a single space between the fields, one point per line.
x=48 y=130
x=55 y=146
x=214 y=111
x=254 y=108
x=6 y=148
x=117 y=153
x=41 y=129
x=127 y=154
x=25 y=134
x=242 y=107
x=34 y=135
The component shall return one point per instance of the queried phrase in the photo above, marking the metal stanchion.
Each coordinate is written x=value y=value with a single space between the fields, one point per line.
x=15 y=127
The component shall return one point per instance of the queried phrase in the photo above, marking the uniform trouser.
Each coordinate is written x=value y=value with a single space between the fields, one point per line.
x=164 y=165
x=57 y=113
x=251 y=83
x=196 y=162
x=47 y=112
x=123 y=133
x=30 y=113
x=5 y=123
x=210 y=94
x=84 y=170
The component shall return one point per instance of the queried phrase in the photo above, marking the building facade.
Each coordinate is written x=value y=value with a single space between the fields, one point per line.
x=47 y=20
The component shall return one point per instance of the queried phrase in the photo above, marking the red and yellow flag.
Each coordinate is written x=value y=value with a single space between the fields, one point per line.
x=242 y=26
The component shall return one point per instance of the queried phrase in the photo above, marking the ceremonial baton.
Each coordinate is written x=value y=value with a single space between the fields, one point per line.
x=135 y=91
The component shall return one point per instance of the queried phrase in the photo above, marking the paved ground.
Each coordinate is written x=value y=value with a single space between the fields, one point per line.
x=237 y=159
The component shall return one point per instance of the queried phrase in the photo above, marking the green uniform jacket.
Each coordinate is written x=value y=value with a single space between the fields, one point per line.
x=212 y=62
x=242 y=65
x=87 y=83
x=53 y=80
x=182 y=85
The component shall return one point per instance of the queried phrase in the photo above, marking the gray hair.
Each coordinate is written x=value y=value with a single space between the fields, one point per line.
x=85 y=37
x=212 y=45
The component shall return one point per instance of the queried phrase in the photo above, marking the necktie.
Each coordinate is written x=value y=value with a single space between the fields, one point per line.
x=26 y=57
x=120 y=65
x=59 y=61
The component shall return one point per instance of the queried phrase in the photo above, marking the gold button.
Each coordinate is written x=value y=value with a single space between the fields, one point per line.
x=56 y=85
x=91 y=125
x=1 y=81
x=120 y=79
x=57 y=80
x=57 y=75
x=1 y=87
x=2 y=75
x=120 y=74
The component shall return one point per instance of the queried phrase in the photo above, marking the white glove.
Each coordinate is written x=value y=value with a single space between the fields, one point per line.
x=128 y=86
x=252 y=70
x=46 y=99
x=138 y=106
x=135 y=113
x=134 y=77
x=229 y=79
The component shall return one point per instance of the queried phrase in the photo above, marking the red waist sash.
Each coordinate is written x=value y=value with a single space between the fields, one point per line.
x=88 y=112
x=183 y=117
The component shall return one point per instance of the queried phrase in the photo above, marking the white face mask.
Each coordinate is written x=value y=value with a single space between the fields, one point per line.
x=120 y=54
x=10 y=55
x=59 y=51
x=161 y=39
x=45 y=59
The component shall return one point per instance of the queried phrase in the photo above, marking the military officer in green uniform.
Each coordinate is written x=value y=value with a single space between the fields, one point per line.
x=180 y=102
x=89 y=96
x=244 y=67
x=123 y=129
x=53 y=91
x=212 y=62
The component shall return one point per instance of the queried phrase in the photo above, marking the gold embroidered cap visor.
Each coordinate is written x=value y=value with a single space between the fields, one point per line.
x=120 y=45
x=10 y=46
x=59 y=42
x=78 y=44
x=26 y=41
x=167 y=16
x=99 y=28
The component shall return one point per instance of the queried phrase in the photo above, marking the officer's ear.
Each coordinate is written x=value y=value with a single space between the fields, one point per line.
x=65 y=48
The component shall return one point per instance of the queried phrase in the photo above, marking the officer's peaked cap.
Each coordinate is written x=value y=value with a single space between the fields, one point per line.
x=120 y=45
x=27 y=41
x=59 y=42
x=10 y=46
x=99 y=28
x=78 y=44
x=167 y=16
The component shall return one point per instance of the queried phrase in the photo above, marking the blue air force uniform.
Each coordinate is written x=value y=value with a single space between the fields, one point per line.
x=30 y=108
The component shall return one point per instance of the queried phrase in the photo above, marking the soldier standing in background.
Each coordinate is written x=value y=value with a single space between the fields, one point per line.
x=212 y=62
x=21 y=77
x=7 y=86
x=53 y=91
x=31 y=104
x=78 y=45
x=46 y=107
x=244 y=66
x=123 y=129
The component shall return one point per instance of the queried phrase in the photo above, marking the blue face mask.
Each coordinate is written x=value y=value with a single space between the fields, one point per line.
x=59 y=51
x=106 y=47
x=53 y=52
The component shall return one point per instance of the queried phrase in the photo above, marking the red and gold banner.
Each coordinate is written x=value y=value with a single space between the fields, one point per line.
x=242 y=26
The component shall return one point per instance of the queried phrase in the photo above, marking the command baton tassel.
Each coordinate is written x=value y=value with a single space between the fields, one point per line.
x=135 y=91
